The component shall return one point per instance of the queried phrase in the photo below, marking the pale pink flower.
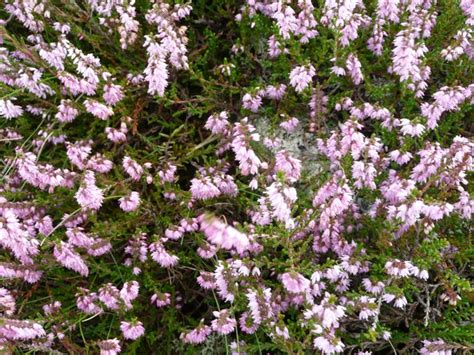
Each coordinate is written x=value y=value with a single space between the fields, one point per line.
x=224 y=323
x=160 y=299
x=117 y=135
x=196 y=336
x=132 y=168
x=290 y=125
x=66 y=111
x=97 y=109
x=295 y=282
x=130 y=203
x=89 y=195
x=9 y=110
x=66 y=256
x=354 y=69
x=109 y=347
x=161 y=255
x=223 y=235
x=301 y=77
x=112 y=94
x=132 y=330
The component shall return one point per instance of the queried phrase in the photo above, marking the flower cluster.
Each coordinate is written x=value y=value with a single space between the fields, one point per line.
x=283 y=176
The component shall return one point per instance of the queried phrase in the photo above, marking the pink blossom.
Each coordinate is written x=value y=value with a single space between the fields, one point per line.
x=97 y=109
x=112 y=94
x=301 y=77
x=251 y=103
x=354 y=69
x=66 y=111
x=218 y=123
x=89 y=195
x=132 y=330
x=160 y=299
x=130 y=203
x=224 y=323
x=66 y=256
x=132 y=168
x=9 y=110
x=162 y=256
x=295 y=282
x=117 y=135
x=290 y=125
x=223 y=235
x=109 y=347
x=197 y=335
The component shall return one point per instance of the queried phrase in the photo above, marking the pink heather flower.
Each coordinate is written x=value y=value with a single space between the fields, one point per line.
x=259 y=305
x=223 y=235
x=389 y=9
x=109 y=347
x=285 y=163
x=168 y=173
x=78 y=152
x=196 y=336
x=398 y=268
x=242 y=133
x=160 y=299
x=7 y=302
x=295 y=282
x=301 y=77
x=218 y=123
x=89 y=195
x=436 y=347
x=156 y=72
x=411 y=129
x=364 y=175
x=281 y=198
x=17 y=330
x=207 y=251
x=367 y=307
x=50 y=308
x=326 y=313
x=14 y=237
x=130 y=203
x=112 y=94
x=400 y=157
x=223 y=324
x=117 y=135
x=207 y=280
x=400 y=302
x=274 y=47
x=132 y=330
x=290 y=125
x=203 y=188
x=373 y=287
x=99 y=164
x=85 y=301
x=109 y=295
x=328 y=344
x=66 y=256
x=337 y=70
x=354 y=69
x=98 y=110
x=129 y=292
x=66 y=111
x=275 y=92
x=174 y=232
x=132 y=168
x=251 y=103
x=161 y=255
x=9 y=110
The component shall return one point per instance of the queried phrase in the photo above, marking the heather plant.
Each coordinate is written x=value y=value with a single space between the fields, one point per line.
x=240 y=177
